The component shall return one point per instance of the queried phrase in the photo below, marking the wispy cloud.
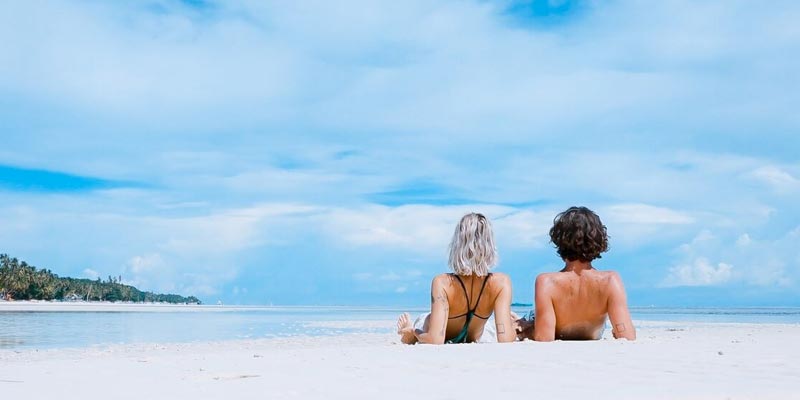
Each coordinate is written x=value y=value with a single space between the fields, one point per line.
x=775 y=178
x=647 y=214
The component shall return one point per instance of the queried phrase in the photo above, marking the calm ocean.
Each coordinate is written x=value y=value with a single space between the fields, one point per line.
x=45 y=330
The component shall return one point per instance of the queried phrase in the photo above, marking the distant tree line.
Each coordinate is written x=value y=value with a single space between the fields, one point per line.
x=20 y=281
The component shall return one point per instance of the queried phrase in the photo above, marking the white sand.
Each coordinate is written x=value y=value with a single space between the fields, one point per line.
x=669 y=361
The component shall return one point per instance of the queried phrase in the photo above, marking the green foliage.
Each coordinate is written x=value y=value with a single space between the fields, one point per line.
x=21 y=281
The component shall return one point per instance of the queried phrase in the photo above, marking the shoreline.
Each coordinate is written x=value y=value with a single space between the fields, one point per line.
x=369 y=327
x=694 y=361
x=96 y=306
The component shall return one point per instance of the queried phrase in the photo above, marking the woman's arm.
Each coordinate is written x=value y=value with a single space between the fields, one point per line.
x=502 y=310
x=440 y=309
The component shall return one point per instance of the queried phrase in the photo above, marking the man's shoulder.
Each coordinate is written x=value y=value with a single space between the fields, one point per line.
x=544 y=286
x=612 y=282
x=546 y=279
x=610 y=275
x=547 y=276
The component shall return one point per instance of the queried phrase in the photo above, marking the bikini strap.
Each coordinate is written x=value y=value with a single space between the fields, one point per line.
x=479 y=294
x=464 y=288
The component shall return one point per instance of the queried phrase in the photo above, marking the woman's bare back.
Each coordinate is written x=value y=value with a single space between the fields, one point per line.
x=451 y=302
x=482 y=302
x=461 y=302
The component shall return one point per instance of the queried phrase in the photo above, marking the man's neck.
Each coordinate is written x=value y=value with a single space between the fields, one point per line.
x=577 y=266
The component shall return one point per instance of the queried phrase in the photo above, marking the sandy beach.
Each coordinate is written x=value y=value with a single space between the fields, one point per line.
x=669 y=361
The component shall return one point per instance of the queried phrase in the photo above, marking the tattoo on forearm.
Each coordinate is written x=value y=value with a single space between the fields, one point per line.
x=619 y=327
x=441 y=298
x=501 y=329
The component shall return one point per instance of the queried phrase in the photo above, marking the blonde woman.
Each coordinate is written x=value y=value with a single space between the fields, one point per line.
x=463 y=301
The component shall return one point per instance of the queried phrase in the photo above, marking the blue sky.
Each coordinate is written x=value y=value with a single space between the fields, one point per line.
x=322 y=152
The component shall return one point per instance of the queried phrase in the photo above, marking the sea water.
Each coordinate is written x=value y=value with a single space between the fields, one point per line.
x=45 y=330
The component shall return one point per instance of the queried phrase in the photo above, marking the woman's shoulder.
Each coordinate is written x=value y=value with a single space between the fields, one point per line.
x=499 y=278
x=499 y=275
x=442 y=279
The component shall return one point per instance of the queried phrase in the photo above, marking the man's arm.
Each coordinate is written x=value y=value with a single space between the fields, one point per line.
x=502 y=310
x=440 y=308
x=621 y=324
x=545 y=323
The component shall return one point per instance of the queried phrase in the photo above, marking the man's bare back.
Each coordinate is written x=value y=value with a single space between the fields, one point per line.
x=573 y=304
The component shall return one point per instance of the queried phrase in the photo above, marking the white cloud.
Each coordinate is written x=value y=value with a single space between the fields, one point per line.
x=463 y=69
x=362 y=276
x=405 y=275
x=428 y=229
x=775 y=177
x=523 y=229
x=228 y=230
x=244 y=137
x=421 y=228
x=741 y=259
x=743 y=240
x=647 y=214
x=701 y=239
x=629 y=224
x=145 y=264
x=90 y=274
x=699 y=273
x=236 y=291
x=131 y=50
x=150 y=271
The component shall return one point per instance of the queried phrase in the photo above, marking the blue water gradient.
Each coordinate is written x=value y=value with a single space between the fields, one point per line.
x=44 y=330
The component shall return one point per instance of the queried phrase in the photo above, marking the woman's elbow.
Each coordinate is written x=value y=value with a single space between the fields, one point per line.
x=429 y=339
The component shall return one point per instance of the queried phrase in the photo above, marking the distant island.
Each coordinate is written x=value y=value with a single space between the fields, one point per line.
x=521 y=304
x=20 y=281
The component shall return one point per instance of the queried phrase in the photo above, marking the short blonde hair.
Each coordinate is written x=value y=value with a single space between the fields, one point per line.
x=472 y=250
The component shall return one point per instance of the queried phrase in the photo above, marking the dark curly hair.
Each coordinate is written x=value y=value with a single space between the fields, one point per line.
x=579 y=234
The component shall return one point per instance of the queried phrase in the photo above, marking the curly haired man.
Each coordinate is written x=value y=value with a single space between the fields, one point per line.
x=572 y=304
